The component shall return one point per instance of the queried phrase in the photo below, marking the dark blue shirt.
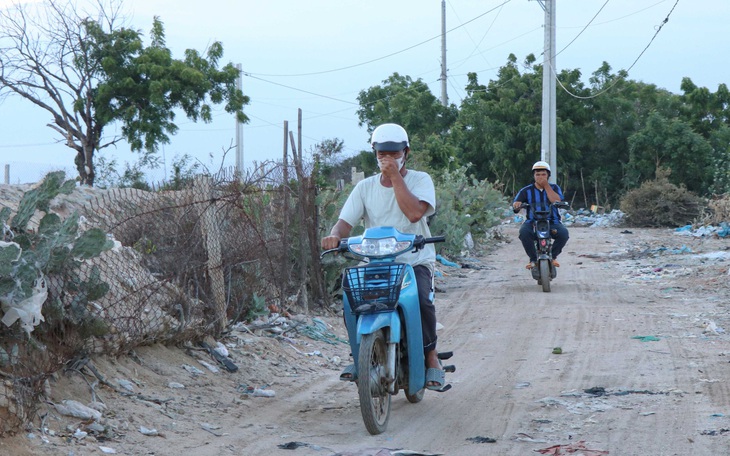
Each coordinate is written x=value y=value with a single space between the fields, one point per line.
x=538 y=201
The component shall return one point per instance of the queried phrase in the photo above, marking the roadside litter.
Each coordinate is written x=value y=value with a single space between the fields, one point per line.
x=480 y=439
x=723 y=230
x=646 y=338
x=572 y=448
x=446 y=262
x=255 y=392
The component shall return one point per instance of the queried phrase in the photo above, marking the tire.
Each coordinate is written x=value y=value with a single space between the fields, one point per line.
x=545 y=275
x=372 y=386
x=416 y=398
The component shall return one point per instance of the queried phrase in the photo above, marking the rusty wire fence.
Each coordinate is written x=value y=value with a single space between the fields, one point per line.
x=186 y=264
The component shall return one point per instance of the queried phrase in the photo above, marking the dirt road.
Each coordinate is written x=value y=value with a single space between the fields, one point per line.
x=640 y=318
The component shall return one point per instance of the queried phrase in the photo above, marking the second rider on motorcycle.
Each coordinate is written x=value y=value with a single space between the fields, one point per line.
x=539 y=195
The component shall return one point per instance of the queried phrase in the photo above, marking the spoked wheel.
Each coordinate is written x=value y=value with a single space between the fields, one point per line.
x=372 y=387
x=545 y=275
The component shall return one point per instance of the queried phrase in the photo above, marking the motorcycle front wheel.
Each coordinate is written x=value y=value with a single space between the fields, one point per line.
x=416 y=398
x=372 y=386
x=545 y=274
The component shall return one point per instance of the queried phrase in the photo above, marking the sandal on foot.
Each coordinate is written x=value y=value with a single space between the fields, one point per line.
x=348 y=375
x=436 y=376
x=556 y=264
x=530 y=265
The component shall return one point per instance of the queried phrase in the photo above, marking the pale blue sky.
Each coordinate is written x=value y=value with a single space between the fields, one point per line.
x=319 y=54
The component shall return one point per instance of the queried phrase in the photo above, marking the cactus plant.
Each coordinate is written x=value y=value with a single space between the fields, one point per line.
x=56 y=247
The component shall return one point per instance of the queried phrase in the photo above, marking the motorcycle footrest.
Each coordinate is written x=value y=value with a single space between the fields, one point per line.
x=444 y=389
x=450 y=368
x=445 y=355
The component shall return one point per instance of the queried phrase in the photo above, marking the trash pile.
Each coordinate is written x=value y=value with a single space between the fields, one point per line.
x=600 y=219
x=581 y=217
x=586 y=217
x=723 y=230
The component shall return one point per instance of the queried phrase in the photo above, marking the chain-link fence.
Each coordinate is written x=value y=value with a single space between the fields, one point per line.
x=186 y=263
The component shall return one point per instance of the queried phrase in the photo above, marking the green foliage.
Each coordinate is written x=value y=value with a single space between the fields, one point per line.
x=40 y=197
x=330 y=202
x=672 y=144
x=257 y=308
x=364 y=162
x=408 y=103
x=141 y=87
x=659 y=203
x=720 y=141
x=103 y=73
x=611 y=134
x=55 y=248
x=464 y=205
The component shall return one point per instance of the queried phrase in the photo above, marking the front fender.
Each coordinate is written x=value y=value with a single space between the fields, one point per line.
x=370 y=323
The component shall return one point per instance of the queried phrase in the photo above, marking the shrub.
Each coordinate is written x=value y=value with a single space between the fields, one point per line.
x=659 y=203
x=464 y=205
x=718 y=210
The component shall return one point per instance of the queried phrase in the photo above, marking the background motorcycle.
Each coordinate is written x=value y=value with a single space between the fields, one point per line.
x=383 y=319
x=544 y=271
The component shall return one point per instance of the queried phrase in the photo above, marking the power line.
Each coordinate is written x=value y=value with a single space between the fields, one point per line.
x=385 y=56
x=476 y=45
x=659 y=28
x=584 y=28
x=250 y=75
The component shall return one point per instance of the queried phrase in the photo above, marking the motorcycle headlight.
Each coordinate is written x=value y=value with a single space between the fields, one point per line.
x=380 y=247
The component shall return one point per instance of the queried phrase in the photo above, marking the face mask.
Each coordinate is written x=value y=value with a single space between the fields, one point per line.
x=401 y=161
x=398 y=161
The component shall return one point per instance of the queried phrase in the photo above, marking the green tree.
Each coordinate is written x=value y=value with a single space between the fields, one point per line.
x=720 y=142
x=410 y=104
x=705 y=111
x=672 y=144
x=332 y=166
x=709 y=115
x=89 y=72
x=498 y=129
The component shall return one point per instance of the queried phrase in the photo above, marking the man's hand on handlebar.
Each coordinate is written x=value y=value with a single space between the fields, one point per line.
x=330 y=242
x=516 y=206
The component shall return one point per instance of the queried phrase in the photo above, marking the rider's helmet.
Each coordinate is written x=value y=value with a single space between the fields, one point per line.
x=389 y=137
x=540 y=165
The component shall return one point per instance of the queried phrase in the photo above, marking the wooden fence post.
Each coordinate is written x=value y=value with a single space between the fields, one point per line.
x=209 y=227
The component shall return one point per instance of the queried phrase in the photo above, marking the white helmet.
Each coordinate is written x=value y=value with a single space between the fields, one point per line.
x=541 y=165
x=389 y=137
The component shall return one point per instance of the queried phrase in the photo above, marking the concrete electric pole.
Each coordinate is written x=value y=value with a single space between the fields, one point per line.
x=239 y=132
x=548 y=147
x=444 y=97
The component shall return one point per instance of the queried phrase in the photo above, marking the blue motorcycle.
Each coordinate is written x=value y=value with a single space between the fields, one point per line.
x=383 y=320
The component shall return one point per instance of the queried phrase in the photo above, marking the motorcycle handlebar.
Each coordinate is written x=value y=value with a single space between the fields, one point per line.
x=559 y=205
x=340 y=248
x=419 y=242
x=433 y=240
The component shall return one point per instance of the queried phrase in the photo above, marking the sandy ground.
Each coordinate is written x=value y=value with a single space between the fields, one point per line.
x=613 y=390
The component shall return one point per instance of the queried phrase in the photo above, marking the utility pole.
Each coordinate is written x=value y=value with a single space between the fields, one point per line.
x=548 y=149
x=444 y=96
x=239 y=131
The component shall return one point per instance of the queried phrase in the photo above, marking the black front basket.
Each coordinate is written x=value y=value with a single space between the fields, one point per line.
x=374 y=287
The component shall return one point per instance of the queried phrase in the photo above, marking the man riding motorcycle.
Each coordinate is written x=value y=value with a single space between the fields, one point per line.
x=539 y=195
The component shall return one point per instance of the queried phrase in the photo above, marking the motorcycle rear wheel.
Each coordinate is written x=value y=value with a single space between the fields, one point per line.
x=545 y=274
x=372 y=386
